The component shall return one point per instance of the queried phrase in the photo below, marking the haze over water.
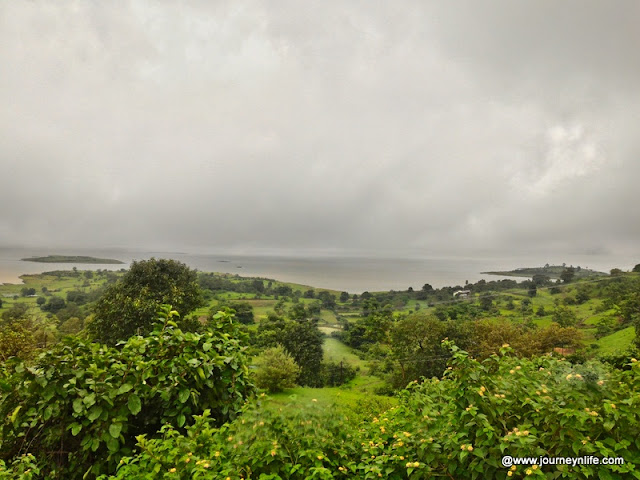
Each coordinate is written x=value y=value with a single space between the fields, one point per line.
x=352 y=274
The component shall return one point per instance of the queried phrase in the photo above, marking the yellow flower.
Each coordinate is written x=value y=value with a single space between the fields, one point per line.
x=409 y=464
x=273 y=453
x=228 y=478
x=320 y=457
x=314 y=399
x=613 y=405
x=401 y=458
x=172 y=470
x=633 y=360
x=382 y=429
x=569 y=377
x=483 y=389
x=601 y=382
x=505 y=345
x=230 y=439
x=217 y=454
x=406 y=434
x=518 y=367
x=528 y=472
x=509 y=473
x=470 y=448
x=513 y=468
x=512 y=372
x=463 y=446
x=205 y=465
x=535 y=467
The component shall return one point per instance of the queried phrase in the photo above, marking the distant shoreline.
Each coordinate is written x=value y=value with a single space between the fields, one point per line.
x=72 y=259
x=551 y=271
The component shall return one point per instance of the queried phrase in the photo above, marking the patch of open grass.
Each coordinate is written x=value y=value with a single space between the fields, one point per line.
x=616 y=342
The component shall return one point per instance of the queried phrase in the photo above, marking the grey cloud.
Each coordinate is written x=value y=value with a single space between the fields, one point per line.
x=345 y=126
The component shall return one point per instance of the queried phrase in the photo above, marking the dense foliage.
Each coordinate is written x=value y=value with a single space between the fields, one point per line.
x=128 y=306
x=458 y=427
x=80 y=406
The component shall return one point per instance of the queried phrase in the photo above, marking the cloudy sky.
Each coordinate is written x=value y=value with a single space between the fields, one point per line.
x=321 y=126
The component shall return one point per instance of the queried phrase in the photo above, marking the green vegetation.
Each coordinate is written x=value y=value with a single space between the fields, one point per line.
x=457 y=427
x=550 y=271
x=127 y=307
x=81 y=405
x=398 y=384
x=73 y=259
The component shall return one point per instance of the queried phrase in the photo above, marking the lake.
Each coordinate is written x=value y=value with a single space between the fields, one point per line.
x=352 y=274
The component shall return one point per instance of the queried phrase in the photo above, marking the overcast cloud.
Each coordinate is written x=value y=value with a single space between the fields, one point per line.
x=322 y=126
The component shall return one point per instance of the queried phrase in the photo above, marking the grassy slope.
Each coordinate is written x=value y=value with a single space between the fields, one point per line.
x=616 y=342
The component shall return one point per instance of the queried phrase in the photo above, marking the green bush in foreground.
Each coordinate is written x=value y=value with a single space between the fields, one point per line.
x=458 y=427
x=80 y=407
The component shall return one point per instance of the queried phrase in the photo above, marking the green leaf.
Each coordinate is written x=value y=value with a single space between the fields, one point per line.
x=134 y=404
x=113 y=445
x=94 y=413
x=181 y=420
x=183 y=396
x=115 y=429
x=78 y=407
x=124 y=388
x=206 y=347
x=75 y=428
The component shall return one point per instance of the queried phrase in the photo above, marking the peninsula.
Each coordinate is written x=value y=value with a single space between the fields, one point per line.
x=72 y=259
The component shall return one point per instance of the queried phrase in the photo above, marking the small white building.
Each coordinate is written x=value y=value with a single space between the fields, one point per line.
x=462 y=294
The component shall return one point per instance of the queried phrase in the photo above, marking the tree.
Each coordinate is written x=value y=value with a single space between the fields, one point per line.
x=564 y=316
x=533 y=290
x=54 y=305
x=568 y=274
x=636 y=268
x=27 y=291
x=303 y=340
x=243 y=311
x=486 y=303
x=128 y=307
x=616 y=272
x=278 y=370
x=344 y=297
x=417 y=349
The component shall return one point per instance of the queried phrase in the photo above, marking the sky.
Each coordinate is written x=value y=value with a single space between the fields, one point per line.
x=327 y=127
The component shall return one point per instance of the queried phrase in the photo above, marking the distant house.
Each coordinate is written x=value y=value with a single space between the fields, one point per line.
x=462 y=294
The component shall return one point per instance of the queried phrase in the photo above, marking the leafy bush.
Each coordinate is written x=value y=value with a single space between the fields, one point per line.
x=458 y=427
x=128 y=307
x=80 y=407
x=278 y=370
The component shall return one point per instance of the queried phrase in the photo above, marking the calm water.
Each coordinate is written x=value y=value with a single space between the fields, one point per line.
x=340 y=273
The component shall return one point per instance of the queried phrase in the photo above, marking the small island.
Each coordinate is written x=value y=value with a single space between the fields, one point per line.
x=72 y=259
x=550 y=271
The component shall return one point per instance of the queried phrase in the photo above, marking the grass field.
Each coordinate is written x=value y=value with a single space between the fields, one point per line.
x=617 y=342
x=336 y=351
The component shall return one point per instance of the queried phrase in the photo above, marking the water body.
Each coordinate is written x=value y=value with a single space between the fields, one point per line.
x=352 y=274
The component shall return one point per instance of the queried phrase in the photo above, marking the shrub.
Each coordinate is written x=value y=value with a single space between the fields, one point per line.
x=80 y=407
x=458 y=427
x=277 y=371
